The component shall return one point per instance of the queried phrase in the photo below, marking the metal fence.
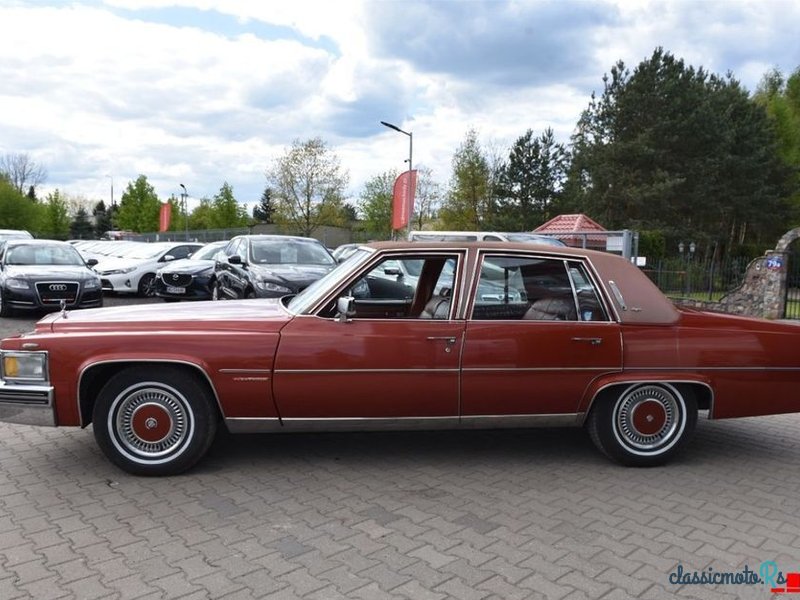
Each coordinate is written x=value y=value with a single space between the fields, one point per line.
x=700 y=280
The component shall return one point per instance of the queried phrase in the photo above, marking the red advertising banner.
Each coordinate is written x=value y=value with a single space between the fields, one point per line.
x=164 y=216
x=405 y=186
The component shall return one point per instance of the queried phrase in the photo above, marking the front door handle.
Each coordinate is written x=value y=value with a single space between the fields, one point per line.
x=594 y=341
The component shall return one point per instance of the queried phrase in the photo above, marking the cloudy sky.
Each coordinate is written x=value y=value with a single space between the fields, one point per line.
x=205 y=91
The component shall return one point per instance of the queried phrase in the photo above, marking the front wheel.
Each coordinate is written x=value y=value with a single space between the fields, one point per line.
x=154 y=420
x=147 y=285
x=5 y=309
x=644 y=425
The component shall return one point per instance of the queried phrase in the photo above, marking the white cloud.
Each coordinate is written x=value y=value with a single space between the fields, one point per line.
x=205 y=91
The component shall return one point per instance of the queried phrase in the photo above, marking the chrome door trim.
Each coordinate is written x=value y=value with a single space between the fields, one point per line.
x=274 y=424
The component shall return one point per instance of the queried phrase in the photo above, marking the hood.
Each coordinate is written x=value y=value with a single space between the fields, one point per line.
x=264 y=315
x=187 y=266
x=50 y=272
x=119 y=263
x=295 y=277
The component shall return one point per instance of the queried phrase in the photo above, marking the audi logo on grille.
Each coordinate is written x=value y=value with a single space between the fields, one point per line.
x=57 y=287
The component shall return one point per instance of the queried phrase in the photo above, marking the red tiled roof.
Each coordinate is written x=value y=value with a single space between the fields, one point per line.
x=569 y=223
x=579 y=225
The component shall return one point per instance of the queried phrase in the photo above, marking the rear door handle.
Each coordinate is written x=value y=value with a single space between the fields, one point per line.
x=449 y=340
x=594 y=341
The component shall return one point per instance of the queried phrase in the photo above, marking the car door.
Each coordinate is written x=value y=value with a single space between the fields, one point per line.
x=394 y=359
x=233 y=273
x=535 y=350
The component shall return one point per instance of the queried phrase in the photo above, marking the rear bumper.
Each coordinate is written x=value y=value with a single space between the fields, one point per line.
x=27 y=404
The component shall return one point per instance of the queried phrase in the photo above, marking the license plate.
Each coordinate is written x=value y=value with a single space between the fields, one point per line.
x=175 y=290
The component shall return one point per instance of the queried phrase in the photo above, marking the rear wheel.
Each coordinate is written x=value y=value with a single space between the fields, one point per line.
x=154 y=420
x=643 y=425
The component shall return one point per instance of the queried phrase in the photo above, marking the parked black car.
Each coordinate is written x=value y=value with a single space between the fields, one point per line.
x=189 y=278
x=40 y=274
x=269 y=266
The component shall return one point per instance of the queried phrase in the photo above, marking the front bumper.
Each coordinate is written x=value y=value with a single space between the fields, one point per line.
x=123 y=283
x=30 y=300
x=27 y=404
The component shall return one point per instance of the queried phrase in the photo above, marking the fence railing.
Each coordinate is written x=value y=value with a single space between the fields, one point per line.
x=701 y=280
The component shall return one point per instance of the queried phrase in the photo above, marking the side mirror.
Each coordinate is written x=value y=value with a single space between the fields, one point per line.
x=167 y=258
x=91 y=262
x=392 y=271
x=235 y=259
x=346 y=308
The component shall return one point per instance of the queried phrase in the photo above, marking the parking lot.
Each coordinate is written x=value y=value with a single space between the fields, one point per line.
x=501 y=514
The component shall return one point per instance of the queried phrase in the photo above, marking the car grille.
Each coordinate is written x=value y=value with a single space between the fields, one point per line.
x=176 y=279
x=53 y=292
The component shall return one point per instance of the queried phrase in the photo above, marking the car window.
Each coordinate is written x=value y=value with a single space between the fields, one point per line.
x=289 y=252
x=181 y=251
x=509 y=288
x=590 y=308
x=536 y=289
x=402 y=287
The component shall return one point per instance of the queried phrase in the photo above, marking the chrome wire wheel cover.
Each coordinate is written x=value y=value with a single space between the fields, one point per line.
x=649 y=420
x=151 y=423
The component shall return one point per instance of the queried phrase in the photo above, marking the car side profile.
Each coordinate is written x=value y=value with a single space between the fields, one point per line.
x=134 y=271
x=567 y=337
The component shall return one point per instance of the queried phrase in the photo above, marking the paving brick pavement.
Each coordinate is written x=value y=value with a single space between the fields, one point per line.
x=504 y=514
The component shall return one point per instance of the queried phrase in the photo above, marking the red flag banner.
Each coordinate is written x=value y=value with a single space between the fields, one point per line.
x=405 y=186
x=164 y=216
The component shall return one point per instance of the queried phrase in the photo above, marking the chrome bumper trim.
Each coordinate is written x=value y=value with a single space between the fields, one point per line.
x=27 y=405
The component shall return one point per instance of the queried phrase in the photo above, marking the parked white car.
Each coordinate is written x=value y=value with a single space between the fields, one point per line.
x=134 y=273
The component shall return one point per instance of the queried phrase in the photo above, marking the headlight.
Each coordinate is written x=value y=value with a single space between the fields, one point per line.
x=17 y=284
x=24 y=366
x=268 y=286
x=91 y=284
x=118 y=271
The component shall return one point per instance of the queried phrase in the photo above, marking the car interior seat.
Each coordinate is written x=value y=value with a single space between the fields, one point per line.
x=552 y=309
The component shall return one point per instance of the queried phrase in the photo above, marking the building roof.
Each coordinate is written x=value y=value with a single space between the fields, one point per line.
x=574 y=230
x=569 y=224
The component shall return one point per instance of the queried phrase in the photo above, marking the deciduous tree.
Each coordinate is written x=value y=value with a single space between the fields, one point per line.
x=23 y=173
x=308 y=183
x=139 y=207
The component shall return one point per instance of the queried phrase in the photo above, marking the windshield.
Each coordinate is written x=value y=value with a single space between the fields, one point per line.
x=291 y=252
x=207 y=252
x=531 y=238
x=145 y=251
x=43 y=255
x=317 y=290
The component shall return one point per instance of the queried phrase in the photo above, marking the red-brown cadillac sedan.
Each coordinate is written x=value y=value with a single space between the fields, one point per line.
x=406 y=336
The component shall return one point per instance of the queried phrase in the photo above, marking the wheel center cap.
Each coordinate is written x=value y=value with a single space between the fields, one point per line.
x=151 y=423
x=649 y=417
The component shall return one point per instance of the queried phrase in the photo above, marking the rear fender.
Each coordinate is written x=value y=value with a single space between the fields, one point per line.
x=700 y=385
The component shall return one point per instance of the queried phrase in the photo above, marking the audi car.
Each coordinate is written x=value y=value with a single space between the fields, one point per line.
x=46 y=275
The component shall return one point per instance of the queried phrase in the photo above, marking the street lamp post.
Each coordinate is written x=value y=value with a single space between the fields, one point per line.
x=184 y=196
x=689 y=256
x=409 y=190
x=111 y=208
